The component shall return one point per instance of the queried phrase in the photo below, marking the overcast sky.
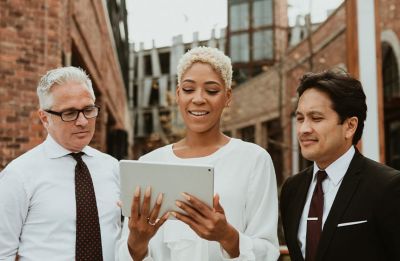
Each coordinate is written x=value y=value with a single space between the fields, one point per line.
x=162 y=19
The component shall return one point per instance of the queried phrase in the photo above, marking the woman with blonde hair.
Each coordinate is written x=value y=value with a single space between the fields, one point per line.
x=242 y=224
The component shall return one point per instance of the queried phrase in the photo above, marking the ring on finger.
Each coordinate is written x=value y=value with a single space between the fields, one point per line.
x=151 y=223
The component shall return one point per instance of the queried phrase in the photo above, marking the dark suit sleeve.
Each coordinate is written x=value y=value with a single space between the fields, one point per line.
x=283 y=204
x=388 y=218
x=282 y=200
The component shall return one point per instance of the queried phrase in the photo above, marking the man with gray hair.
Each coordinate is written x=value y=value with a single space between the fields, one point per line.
x=58 y=201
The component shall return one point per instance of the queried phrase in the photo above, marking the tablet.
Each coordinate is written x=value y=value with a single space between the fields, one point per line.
x=166 y=178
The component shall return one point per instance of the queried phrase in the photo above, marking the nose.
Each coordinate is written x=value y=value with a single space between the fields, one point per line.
x=304 y=127
x=81 y=120
x=198 y=97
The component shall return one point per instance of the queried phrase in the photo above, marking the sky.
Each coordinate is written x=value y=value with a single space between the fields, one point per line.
x=160 y=20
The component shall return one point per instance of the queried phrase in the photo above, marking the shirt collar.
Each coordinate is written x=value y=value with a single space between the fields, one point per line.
x=54 y=150
x=338 y=168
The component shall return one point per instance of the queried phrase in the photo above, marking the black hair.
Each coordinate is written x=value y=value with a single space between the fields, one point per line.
x=346 y=93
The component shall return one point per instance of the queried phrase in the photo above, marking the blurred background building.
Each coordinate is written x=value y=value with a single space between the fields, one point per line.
x=269 y=57
x=152 y=83
x=136 y=86
x=263 y=107
x=36 y=36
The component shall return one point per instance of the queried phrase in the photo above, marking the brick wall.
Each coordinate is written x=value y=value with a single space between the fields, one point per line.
x=34 y=37
x=390 y=14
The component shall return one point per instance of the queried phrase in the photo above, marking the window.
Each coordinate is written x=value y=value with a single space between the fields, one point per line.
x=263 y=45
x=239 y=16
x=248 y=134
x=239 y=48
x=262 y=13
x=391 y=87
x=390 y=74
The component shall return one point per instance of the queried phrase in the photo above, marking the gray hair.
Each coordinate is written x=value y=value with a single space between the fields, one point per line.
x=212 y=56
x=61 y=76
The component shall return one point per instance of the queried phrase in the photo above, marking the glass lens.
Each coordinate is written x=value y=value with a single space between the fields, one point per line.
x=69 y=115
x=91 y=112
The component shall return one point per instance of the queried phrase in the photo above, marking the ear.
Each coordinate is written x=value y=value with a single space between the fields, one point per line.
x=177 y=92
x=44 y=118
x=350 y=127
x=228 y=97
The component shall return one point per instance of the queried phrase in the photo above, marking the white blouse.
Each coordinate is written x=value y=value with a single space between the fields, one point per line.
x=244 y=177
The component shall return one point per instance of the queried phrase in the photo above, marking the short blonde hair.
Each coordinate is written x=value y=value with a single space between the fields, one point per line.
x=212 y=56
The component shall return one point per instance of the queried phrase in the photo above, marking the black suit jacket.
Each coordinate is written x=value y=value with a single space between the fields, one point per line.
x=369 y=191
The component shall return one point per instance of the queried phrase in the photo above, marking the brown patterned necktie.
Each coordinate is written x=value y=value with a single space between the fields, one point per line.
x=88 y=236
x=314 y=220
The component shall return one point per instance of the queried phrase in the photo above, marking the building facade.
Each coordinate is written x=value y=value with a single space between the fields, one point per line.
x=40 y=35
x=152 y=86
x=256 y=35
x=263 y=108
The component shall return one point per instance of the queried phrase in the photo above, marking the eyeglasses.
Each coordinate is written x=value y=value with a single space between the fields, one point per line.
x=72 y=115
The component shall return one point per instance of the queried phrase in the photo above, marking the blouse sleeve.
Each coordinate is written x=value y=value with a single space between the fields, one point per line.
x=259 y=241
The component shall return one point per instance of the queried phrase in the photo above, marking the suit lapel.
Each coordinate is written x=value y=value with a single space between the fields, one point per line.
x=300 y=200
x=341 y=202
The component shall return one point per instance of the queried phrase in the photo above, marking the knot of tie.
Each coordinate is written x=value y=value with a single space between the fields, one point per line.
x=77 y=156
x=321 y=176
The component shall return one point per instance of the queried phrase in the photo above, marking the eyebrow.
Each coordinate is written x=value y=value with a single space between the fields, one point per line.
x=207 y=82
x=310 y=113
x=212 y=82
x=75 y=109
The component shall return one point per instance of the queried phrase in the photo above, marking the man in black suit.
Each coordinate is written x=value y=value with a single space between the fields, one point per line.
x=345 y=206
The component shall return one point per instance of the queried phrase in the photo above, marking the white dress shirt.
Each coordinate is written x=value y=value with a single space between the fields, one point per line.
x=244 y=177
x=335 y=173
x=37 y=203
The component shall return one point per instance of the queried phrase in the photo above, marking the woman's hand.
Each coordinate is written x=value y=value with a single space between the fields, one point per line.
x=209 y=223
x=143 y=223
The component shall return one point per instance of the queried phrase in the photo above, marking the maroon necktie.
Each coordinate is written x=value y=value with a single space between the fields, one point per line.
x=314 y=220
x=88 y=236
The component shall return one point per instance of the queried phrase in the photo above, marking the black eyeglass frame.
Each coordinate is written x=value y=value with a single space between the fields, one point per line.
x=60 y=114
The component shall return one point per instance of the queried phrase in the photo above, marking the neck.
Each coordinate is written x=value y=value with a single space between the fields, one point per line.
x=194 y=140
x=199 y=145
x=324 y=164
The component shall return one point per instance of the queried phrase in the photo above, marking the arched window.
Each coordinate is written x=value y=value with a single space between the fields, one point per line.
x=391 y=90
x=390 y=73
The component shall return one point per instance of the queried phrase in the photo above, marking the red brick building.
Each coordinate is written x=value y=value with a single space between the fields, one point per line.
x=36 y=36
x=262 y=109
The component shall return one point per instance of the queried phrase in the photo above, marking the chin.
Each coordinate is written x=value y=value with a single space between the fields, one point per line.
x=308 y=155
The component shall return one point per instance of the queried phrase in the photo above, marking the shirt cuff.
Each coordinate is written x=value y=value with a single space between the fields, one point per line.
x=245 y=249
x=125 y=255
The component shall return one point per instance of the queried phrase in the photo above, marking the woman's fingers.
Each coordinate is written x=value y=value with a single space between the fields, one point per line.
x=135 y=207
x=186 y=219
x=217 y=205
x=162 y=220
x=153 y=217
x=144 y=210
x=197 y=204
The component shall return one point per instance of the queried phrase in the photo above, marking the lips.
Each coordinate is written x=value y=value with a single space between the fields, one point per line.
x=81 y=132
x=306 y=142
